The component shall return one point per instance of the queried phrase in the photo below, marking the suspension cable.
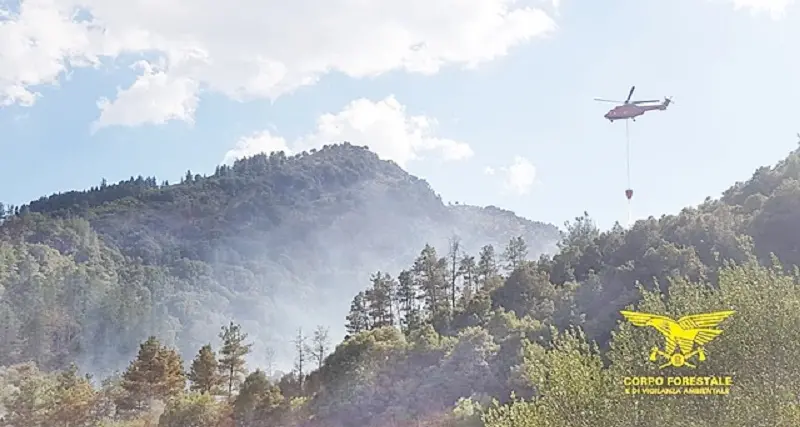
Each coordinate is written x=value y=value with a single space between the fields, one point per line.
x=629 y=191
x=628 y=151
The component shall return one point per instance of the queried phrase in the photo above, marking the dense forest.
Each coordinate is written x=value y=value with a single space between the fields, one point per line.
x=464 y=333
x=271 y=242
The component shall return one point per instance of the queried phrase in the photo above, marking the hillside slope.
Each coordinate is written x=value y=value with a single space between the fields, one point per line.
x=436 y=343
x=531 y=331
x=273 y=242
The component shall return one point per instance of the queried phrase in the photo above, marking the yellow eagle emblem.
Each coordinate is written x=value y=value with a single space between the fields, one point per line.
x=683 y=334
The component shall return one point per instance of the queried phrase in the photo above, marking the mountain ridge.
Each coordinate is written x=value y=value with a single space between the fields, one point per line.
x=268 y=237
x=268 y=172
x=493 y=340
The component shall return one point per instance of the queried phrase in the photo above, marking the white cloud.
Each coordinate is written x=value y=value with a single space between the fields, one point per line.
x=36 y=46
x=775 y=8
x=384 y=126
x=260 y=142
x=488 y=170
x=155 y=97
x=520 y=176
x=250 y=48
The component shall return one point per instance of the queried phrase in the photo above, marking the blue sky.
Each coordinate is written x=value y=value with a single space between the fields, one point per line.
x=732 y=72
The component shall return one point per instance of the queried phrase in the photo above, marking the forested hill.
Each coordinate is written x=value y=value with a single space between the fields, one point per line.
x=424 y=352
x=274 y=242
x=449 y=338
x=549 y=330
x=280 y=200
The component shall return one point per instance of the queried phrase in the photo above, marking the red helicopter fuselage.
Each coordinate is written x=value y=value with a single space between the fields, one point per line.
x=631 y=111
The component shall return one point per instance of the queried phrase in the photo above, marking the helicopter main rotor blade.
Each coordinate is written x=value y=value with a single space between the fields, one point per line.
x=645 y=102
x=630 y=94
x=608 y=100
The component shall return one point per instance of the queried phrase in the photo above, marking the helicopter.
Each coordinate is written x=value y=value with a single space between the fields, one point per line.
x=632 y=109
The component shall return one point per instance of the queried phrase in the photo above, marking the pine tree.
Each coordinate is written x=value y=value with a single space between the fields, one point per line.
x=74 y=399
x=380 y=300
x=156 y=373
x=232 y=364
x=204 y=372
x=452 y=257
x=407 y=296
x=358 y=317
x=467 y=270
x=515 y=253
x=487 y=265
x=431 y=273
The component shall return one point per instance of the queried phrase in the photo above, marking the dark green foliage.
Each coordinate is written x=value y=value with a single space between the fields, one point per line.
x=155 y=374
x=593 y=276
x=204 y=373
x=231 y=362
x=258 y=241
x=455 y=329
x=257 y=401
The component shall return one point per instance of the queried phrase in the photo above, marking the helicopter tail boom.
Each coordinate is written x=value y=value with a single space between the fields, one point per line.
x=661 y=106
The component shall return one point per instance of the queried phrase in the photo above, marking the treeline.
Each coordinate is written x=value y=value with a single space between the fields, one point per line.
x=217 y=389
x=87 y=275
x=413 y=332
x=454 y=339
x=441 y=290
x=409 y=338
x=508 y=372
